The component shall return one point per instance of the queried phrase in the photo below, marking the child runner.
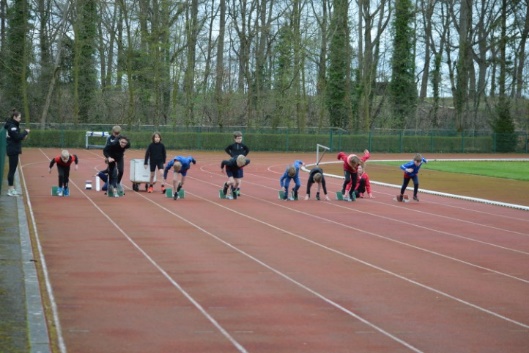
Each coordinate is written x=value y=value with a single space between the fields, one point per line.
x=234 y=167
x=114 y=153
x=180 y=165
x=292 y=172
x=64 y=161
x=316 y=176
x=350 y=164
x=155 y=157
x=235 y=149
x=363 y=185
x=411 y=171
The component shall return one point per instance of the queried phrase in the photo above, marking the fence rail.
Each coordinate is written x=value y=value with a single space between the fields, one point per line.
x=285 y=140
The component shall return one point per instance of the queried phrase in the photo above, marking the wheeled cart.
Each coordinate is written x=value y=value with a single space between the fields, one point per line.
x=140 y=175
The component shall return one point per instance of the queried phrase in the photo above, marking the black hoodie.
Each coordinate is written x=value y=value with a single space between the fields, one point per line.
x=14 y=137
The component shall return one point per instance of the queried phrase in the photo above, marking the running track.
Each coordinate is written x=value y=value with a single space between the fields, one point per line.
x=145 y=273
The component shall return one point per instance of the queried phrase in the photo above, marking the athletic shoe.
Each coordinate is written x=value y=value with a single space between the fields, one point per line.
x=12 y=192
x=400 y=198
x=59 y=191
x=353 y=196
x=149 y=190
x=234 y=194
x=229 y=197
x=225 y=189
x=416 y=198
x=121 y=190
x=66 y=192
x=163 y=189
x=318 y=196
x=238 y=192
x=175 y=196
x=116 y=192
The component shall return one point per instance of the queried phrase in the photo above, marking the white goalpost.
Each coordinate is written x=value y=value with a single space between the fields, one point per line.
x=320 y=152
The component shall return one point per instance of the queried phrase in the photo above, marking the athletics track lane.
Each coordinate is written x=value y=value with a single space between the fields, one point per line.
x=146 y=273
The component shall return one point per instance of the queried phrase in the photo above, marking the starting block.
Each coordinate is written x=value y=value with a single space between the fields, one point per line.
x=110 y=192
x=54 y=190
x=88 y=184
x=281 y=195
x=339 y=196
x=221 y=194
x=404 y=199
x=169 y=193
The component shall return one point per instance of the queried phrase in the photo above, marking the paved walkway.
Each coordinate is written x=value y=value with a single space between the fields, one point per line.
x=22 y=325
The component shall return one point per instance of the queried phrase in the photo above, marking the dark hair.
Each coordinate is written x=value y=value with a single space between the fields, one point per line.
x=154 y=135
x=15 y=113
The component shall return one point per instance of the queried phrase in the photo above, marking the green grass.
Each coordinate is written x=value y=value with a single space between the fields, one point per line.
x=499 y=169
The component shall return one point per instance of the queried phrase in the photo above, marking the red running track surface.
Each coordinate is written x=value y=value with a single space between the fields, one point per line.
x=145 y=273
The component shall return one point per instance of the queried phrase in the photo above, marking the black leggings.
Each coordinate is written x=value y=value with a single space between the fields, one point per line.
x=13 y=164
x=64 y=175
x=405 y=183
x=348 y=178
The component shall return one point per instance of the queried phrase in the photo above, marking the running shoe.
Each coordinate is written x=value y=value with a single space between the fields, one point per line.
x=416 y=198
x=66 y=192
x=59 y=191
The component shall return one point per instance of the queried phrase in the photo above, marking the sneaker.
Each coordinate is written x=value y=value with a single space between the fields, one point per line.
x=175 y=196
x=415 y=198
x=116 y=192
x=318 y=196
x=66 y=192
x=229 y=197
x=59 y=191
x=163 y=189
x=225 y=189
x=347 y=199
x=234 y=194
x=238 y=192
x=291 y=199
x=400 y=198
x=353 y=196
x=12 y=192
x=121 y=190
x=149 y=190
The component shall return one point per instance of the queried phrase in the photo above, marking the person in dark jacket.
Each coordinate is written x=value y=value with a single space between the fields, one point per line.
x=14 y=138
x=233 y=171
x=155 y=158
x=235 y=149
x=120 y=163
x=316 y=176
x=114 y=154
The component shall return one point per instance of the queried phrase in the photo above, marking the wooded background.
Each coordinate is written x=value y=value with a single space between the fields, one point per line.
x=359 y=65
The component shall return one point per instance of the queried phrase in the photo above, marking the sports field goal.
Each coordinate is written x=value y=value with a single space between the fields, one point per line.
x=90 y=134
x=320 y=152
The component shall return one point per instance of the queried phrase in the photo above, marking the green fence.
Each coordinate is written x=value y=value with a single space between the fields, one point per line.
x=290 y=140
x=2 y=155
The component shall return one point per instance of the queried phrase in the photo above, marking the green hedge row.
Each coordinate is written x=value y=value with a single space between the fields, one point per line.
x=396 y=143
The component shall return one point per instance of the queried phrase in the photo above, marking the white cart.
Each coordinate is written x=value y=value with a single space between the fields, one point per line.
x=139 y=175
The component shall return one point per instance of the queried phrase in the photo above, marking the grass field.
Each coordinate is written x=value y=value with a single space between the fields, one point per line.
x=497 y=169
